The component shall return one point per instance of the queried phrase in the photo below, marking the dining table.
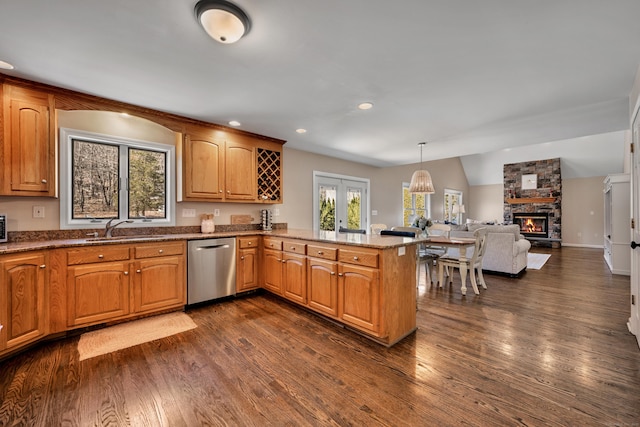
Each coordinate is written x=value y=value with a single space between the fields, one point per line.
x=462 y=244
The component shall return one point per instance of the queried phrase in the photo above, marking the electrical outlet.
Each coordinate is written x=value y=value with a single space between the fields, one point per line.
x=38 y=211
x=276 y=212
x=216 y=212
x=374 y=212
x=188 y=213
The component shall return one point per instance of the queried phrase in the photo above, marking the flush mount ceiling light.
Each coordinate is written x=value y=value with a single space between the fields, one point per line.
x=6 y=65
x=300 y=130
x=234 y=123
x=365 y=105
x=223 y=21
x=421 y=180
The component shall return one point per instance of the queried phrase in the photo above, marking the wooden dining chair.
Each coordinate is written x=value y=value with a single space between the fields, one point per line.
x=377 y=228
x=352 y=230
x=472 y=263
x=435 y=252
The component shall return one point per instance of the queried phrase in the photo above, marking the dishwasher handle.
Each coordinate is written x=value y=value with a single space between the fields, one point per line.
x=200 y=248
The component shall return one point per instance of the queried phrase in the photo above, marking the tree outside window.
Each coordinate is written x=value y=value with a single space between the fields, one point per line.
x=414 y=205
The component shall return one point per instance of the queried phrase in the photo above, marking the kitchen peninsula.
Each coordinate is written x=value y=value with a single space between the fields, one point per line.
x=366 y=283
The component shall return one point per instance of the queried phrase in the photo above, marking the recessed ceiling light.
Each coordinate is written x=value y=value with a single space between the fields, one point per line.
x=234 y=123
x=301 y=130
x=6 y=66
x=365 y=105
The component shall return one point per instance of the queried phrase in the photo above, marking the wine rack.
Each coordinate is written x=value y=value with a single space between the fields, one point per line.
x=269 y=176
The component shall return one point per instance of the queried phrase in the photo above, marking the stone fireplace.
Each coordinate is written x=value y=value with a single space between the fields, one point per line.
x=534 y=189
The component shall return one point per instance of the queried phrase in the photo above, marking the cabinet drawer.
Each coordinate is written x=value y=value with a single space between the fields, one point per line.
x=99 y=254
x=322 y=252
x=159 y=249
x=271 y=243
x=294 y=247
x=358 y=257
x=248 y=242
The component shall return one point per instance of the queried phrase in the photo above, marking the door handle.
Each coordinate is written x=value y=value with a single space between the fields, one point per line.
x=634 y=245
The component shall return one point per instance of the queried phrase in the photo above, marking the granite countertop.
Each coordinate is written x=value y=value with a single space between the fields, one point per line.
x=362 y=240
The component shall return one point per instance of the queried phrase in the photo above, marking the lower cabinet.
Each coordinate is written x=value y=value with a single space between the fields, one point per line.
x=23 y=313
x=272 y=265
x=359 y=297
x=294 y=277
x=247 y=263
x=113 y=282
x=322 y=279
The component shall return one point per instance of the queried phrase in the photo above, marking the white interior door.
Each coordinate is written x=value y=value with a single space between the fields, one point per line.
x=634 y=320
x=340 y=201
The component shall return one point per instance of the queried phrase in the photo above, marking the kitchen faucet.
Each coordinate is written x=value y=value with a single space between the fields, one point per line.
x=109 y=228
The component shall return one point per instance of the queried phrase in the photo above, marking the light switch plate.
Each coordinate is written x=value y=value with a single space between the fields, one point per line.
x=188 y=213
x=38 y=211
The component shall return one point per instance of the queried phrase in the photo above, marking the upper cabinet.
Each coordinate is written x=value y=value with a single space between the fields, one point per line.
x=230 y=167
x=28 y=143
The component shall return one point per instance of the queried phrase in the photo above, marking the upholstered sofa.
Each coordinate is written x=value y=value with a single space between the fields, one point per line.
x=506 y=251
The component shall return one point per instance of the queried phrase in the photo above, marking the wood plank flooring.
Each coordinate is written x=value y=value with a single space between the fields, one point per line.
x=549 y=349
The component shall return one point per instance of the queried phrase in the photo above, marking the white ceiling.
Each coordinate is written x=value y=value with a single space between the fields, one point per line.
x=468 y=76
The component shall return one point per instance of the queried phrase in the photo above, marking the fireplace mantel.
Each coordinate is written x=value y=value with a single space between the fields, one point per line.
x=523 y=200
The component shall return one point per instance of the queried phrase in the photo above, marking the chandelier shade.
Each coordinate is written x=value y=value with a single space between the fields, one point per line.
x=421 y=181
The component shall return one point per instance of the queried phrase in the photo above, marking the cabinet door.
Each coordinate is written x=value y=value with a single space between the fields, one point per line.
x=272 y=267
x=323 y=286
x=29 y=152
x=159 y=283
x=247 y=269
x=359 y=297
x=22 y=303
x=97 y=292
x=240 y=171
x=294 y=277
x=203 y=167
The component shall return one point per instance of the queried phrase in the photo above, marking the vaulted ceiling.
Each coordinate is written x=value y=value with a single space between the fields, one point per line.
x=470 y=77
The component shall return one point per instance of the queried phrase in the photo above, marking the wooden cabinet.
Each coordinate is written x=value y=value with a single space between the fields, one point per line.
x=240 y=171
x=28 y=143
x=203 y=170
x=108 y=282
x=97 y=292
x=369 y=290
x=359 y=297
x=23 y=310
x=159 y=280
x=247 y=263
x=294 y=271
x=230 y=167
x=617 y=223
x=322 y=280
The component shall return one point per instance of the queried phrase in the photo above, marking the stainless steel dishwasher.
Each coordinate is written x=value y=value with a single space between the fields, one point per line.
x=211 y=269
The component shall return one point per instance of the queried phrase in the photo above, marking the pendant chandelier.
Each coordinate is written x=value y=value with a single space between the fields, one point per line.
x=421 y=180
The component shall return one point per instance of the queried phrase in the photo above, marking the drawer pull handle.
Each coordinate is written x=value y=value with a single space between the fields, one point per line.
x=320 y=253
x=100 y=256
x=355 y=258
x=160 y=251
x=138 y=271
x=333 y=273
x=340 y=274
x=293 y=248
x=249 y=243
x=43 y=266
x=44 y=181
x=126 y=273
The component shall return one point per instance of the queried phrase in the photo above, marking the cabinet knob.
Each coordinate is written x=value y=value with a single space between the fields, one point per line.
x=242 y=258
x=160 y=251
x=126 y=273
x=249 y=243
x=44 y=181
x=43 y=266
x=355 y=258
x=100 y=256
x=228 y=191
x=137 y=271
x=333 y=273
x=293 y=248
x=320 y=253
x=283 y=261
x=219 y=191
x=340 y=274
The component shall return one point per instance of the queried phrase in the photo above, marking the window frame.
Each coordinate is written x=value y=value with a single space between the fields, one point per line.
x=427 y=205
x=67 y=221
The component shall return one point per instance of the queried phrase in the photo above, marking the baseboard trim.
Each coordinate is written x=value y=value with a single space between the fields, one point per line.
x=579 y=245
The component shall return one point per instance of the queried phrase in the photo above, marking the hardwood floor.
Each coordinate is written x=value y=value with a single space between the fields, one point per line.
x=550 y=348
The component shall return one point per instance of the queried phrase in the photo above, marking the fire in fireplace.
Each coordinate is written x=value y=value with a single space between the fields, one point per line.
x=532 y=224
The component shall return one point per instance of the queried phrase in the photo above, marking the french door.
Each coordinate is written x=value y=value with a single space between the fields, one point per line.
x=634 y=319
x=339 y=201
